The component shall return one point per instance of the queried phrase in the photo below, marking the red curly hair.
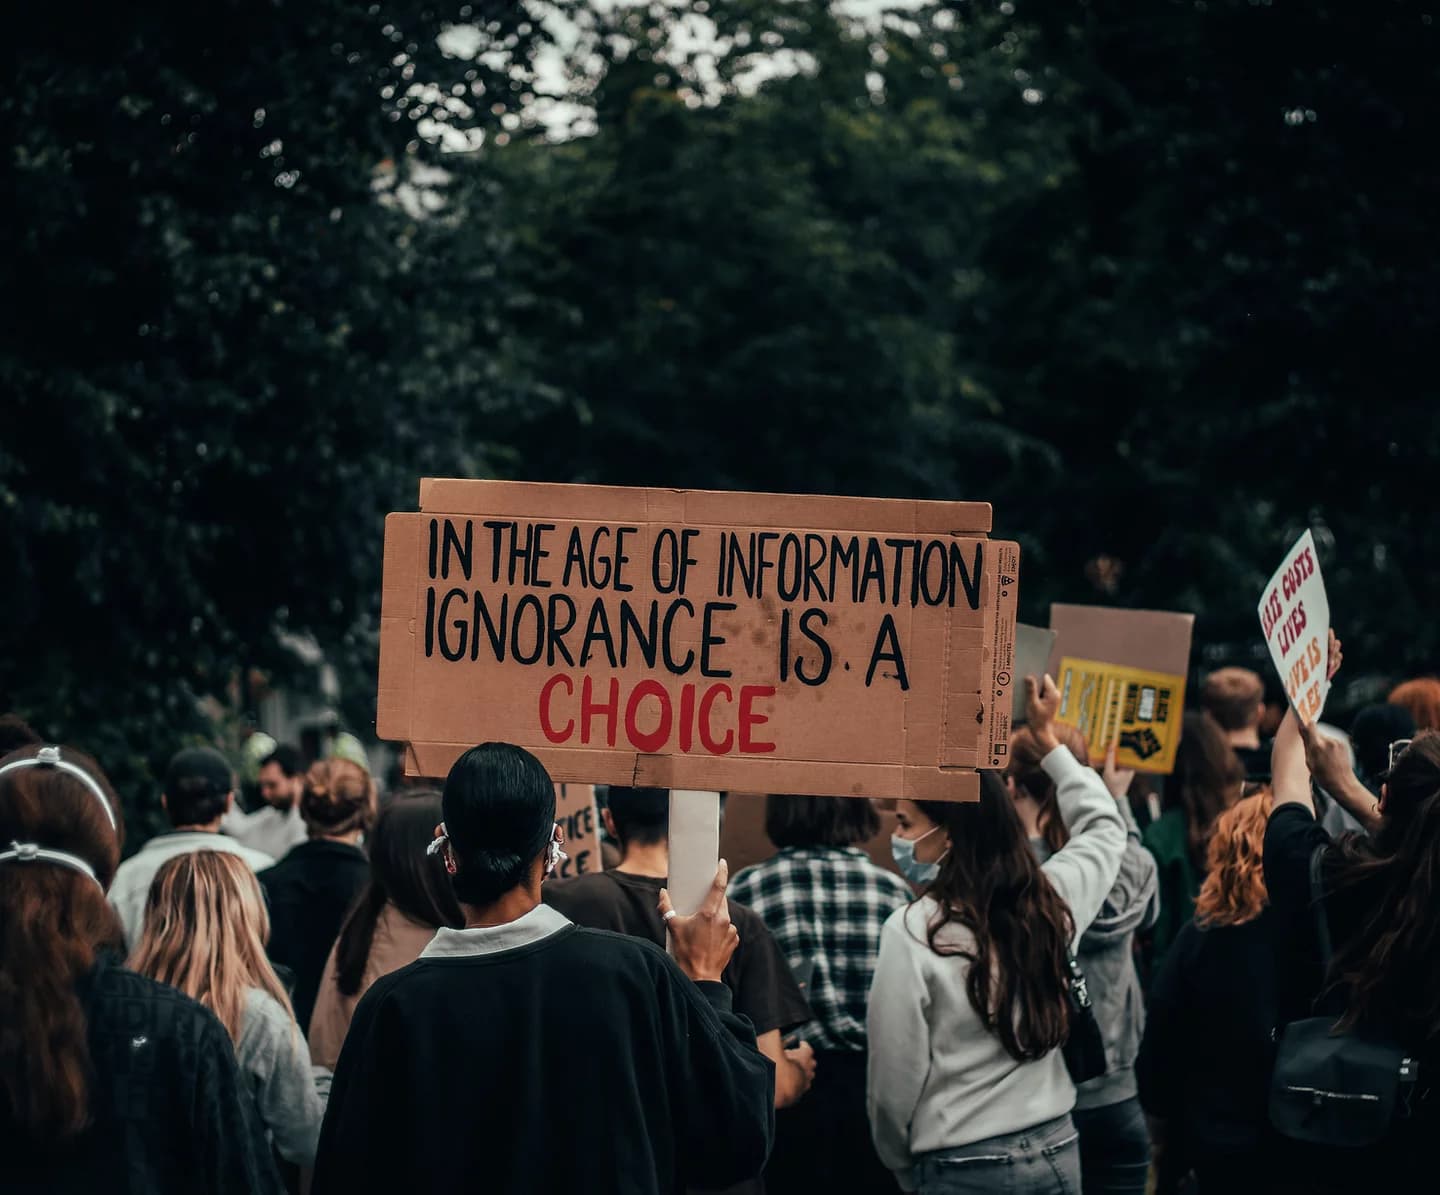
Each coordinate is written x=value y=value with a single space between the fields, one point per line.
x=1421 y=697
x=1234 y=889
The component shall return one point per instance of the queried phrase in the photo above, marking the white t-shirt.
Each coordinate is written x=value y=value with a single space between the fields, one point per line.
x=132 y=881
x=268 y=830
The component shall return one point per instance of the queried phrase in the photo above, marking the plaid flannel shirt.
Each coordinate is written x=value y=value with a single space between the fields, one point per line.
x=826 y=905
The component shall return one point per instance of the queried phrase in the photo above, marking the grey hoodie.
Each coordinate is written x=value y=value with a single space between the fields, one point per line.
x=1107 y=956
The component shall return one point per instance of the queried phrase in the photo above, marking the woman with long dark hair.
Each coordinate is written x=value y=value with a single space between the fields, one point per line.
x=107 y=1079
x=1114 y=1142
x=1207 y=780
x=1379 y=893
x=968 y=1089
x=407 y=899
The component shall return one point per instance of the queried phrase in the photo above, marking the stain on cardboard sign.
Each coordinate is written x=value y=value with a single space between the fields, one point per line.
x=694 y=639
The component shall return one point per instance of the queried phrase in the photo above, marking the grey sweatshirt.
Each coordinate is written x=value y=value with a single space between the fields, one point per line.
x=1107 y=956
x=938 y=1078
x=275 y=1063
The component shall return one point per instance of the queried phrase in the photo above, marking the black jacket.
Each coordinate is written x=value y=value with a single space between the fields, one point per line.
x=309 y=892
x=1205 y=1060
x=584 y=1061
x=169 y=1115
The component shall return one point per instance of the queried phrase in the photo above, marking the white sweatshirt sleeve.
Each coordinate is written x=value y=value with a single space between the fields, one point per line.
x=1084 y=869
x=899 y=1037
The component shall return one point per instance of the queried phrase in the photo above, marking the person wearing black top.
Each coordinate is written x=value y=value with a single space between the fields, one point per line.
x=1204 y=1063
x=108 y=1081
x=310 y=891
x=1379 y=902
x=524 y=1053
x=623 y=900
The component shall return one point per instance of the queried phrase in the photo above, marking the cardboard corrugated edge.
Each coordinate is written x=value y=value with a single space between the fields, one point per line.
x=724 y=773
x=601 y=504
x=399 y=587
x=999 y=665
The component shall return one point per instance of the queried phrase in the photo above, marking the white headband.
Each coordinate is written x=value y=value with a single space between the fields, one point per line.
x=49 y=757
x=28 y=852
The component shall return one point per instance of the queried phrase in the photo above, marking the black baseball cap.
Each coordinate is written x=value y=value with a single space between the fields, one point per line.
x=197 y=771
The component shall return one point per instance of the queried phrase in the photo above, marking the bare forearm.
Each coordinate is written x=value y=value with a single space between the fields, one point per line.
x=1358 y=801
x=1289 y=774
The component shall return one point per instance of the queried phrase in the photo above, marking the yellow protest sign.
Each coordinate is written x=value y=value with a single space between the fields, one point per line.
x=1137 y=710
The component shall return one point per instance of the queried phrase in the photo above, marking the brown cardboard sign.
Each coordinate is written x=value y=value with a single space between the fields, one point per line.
x=1121 y=675
x=580 y=823
x=701 y=640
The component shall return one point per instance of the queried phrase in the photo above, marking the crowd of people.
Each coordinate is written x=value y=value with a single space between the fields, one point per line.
x=1075 y=983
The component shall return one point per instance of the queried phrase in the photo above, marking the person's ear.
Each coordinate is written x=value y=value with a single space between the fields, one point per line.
x=1384 y=796
x=164 y=804
x=608 y=821
x=229 y=800
x=1012 y=788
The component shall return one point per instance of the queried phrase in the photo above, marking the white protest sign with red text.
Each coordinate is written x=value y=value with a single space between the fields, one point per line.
x=1295 y=617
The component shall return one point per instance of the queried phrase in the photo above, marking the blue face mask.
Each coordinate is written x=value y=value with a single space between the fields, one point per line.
x=903 y=851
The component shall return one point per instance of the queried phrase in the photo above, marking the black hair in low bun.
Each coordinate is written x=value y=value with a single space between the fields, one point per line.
x=499 y=810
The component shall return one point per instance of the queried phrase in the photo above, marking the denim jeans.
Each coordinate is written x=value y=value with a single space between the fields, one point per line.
x=1043 y=1160
x=1114 y=1148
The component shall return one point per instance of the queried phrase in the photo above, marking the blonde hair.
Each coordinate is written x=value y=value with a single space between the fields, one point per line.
x=205 y=933
x=1234 y=889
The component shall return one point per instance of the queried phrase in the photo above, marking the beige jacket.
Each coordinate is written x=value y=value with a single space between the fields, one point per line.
x=397 y=943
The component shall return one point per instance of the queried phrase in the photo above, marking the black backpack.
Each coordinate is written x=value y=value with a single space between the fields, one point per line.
x=1338 y=1088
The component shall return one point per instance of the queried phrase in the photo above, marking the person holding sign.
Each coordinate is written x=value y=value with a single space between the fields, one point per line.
x=968 y=1088
x=524 y=1053
x=1377 y=899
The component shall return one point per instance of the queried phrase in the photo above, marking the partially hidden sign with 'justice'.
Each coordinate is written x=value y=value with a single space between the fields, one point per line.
x=697 y=639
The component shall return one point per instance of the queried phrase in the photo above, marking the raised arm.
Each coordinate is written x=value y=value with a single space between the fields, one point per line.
x=1084 y=869
x=726 y=1085
x=1329 y=762
x=1289 y=768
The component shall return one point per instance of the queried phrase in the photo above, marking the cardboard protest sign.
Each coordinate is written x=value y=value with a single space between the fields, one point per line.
x=1295 y=618
x=1033 y=646
x=1121 y=675
x=580 y=823
x=1139 y=712
x=690 y=639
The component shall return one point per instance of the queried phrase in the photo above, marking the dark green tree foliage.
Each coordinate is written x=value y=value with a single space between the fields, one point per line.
x=1151 y=278
x=224 y=359
x=1236 y=331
